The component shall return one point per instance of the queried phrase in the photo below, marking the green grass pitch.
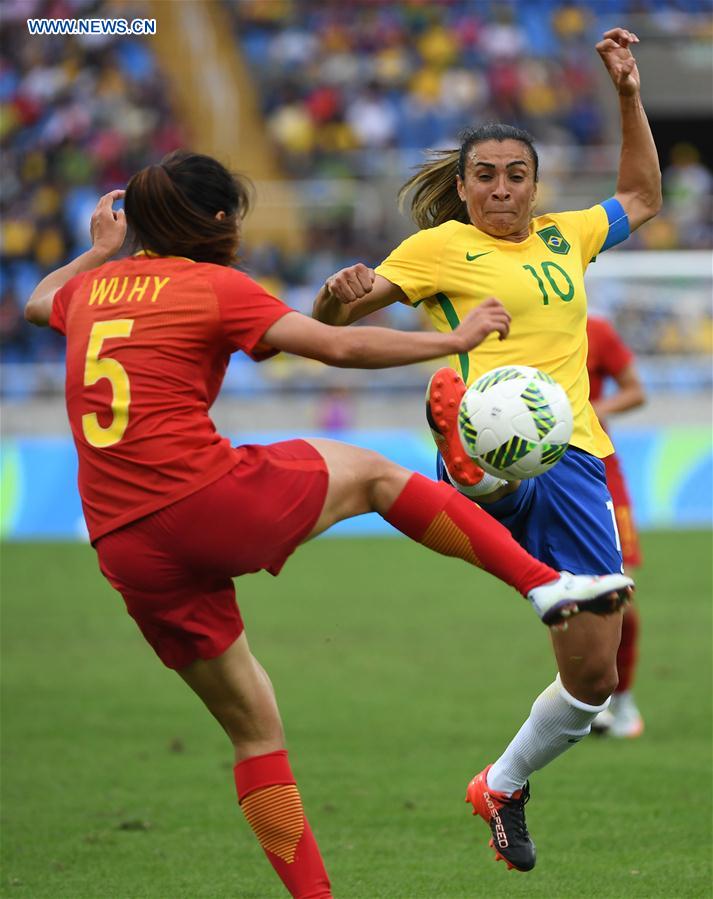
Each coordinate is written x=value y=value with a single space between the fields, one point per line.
x=399 y=675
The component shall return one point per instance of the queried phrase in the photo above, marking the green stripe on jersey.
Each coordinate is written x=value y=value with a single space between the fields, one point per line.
x=453 y=320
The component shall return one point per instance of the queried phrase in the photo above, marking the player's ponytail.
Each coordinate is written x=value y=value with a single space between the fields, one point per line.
x=435 y=198
x=171 y=208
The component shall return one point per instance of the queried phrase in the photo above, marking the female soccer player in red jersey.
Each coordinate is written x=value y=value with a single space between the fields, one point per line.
x=609 y=358
x=479 y=238
x=174 y=512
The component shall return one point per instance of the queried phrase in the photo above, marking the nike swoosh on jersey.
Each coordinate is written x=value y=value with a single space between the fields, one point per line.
x=476 y=256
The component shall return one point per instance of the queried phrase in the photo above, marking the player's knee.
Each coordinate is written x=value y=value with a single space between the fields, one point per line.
x=379 y=472
x=594 y=684
x=249 y=741
x=377 y=466
x=604 y=686
x=252 y=731
x=376 y=480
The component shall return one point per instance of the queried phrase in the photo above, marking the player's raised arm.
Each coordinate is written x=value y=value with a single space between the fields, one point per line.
x=107 y=229
x=352 y=293
x=381 y=347
x=638 y=186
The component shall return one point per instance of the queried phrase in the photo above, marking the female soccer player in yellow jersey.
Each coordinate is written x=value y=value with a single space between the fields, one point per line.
x=479 y=238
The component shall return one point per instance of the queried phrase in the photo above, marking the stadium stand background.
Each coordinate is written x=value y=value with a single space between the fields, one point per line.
x=328 y=106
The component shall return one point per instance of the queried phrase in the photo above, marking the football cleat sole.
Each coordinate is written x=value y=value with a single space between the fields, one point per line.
x=601 y=595
x=443 y=395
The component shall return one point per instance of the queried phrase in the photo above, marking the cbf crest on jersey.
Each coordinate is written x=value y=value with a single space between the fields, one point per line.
x=554 y=240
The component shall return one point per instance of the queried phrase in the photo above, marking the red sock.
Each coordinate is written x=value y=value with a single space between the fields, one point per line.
x=436 y=515
x=628 y=648
x=270 y=800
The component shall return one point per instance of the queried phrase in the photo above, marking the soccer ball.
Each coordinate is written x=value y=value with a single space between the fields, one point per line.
x=515 y=421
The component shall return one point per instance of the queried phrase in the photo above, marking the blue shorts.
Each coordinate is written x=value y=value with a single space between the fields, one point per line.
x=564 y=517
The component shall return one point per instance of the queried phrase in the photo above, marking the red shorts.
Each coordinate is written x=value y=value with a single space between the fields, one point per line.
x=174 y=567
x=628 y=535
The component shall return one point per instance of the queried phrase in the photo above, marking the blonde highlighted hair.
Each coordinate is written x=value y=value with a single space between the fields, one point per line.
x=435 y=197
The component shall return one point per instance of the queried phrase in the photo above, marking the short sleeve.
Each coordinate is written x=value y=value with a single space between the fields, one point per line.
x=247 y=311
x=600 y=227
x=413 y=265
x=61 y=301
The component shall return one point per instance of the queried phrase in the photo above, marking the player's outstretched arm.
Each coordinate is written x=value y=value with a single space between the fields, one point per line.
x=638 y=186
x=629 y=394
x=352 y=293
x=107 y=229
x=381 y=347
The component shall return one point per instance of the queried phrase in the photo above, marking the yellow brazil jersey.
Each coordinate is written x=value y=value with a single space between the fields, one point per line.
x=452 y=268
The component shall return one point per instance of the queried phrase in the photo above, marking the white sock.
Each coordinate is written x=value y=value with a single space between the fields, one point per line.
x=557 y=721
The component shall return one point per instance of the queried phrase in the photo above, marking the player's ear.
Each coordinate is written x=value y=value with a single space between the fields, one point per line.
x=220 y=216
x=460 y=187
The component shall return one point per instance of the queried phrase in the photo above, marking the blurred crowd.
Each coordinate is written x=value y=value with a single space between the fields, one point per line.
x=345 y=88
x=357 y=90
x=338 y=77
x=79 y=116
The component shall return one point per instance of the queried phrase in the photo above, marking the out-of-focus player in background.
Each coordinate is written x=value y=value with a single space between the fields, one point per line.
x=609 y=358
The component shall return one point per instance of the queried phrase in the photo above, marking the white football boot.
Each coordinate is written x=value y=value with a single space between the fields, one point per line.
x=622 y=719
x=573 y=593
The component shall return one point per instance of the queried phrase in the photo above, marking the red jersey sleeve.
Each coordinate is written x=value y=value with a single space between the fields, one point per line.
x=247 y=312
x=60 y=303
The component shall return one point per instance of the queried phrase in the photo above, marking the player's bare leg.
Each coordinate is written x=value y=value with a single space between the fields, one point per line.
x=359 y=480
x=429 y=512
x=237 y=691
x=239 y=694
x=586 y=656
x=623 y=719
x=437 y=516
x=560 y=717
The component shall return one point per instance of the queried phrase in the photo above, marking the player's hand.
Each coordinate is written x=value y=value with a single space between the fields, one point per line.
x=351 y=283
x=108 y=227
x=619 y=61
x=490 y=316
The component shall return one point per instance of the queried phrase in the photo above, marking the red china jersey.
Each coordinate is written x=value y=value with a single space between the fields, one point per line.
x=607 y=356
x=148 y=344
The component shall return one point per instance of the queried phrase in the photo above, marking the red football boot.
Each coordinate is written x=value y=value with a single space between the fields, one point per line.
x=506 y=817
x=443 y=395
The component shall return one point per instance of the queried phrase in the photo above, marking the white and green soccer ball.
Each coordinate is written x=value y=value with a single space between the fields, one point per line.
x=515 y=421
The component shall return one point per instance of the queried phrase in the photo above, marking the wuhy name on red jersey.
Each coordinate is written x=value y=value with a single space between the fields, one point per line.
x=148 y=343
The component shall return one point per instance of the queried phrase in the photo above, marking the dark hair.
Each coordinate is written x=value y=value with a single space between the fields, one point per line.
x=499 y=132
x=171 y=208
x=435 y=199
